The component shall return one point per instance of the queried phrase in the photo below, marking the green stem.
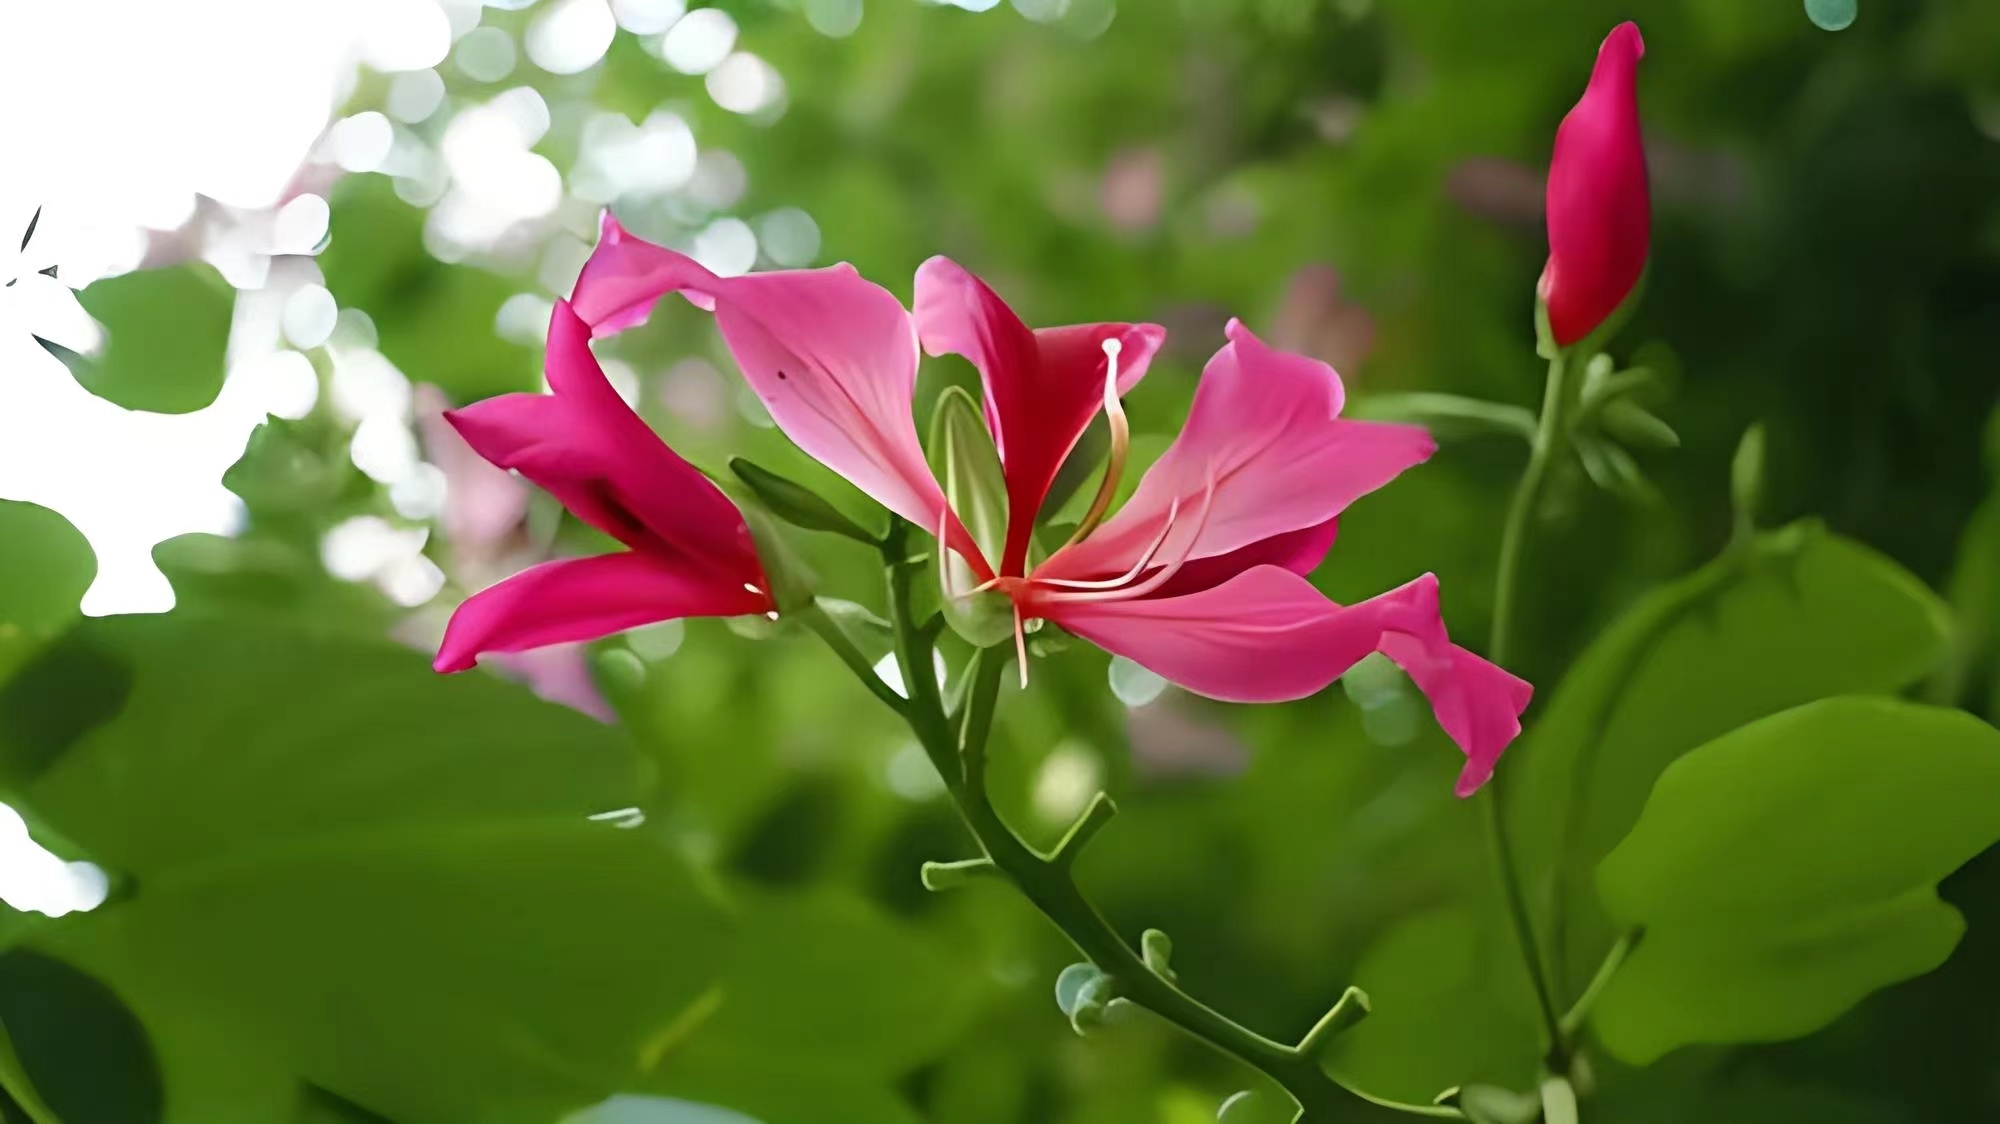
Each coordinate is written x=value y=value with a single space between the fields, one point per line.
x=1549 y=437
x=1697 y=591
x=1573 y=1019
x=1048 y=882
x=830 y=631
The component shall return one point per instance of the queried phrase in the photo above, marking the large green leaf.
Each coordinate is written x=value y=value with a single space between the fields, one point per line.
x=826 y=1004
x=384 y=879
x=1800 y=615
x=166 y=331
x=47 y=566
x=83 y=1055
x=1786 y=869
x=1449 y=1006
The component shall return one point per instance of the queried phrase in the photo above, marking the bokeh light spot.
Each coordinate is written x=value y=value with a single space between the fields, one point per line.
x=571 y=35
x=486 y=54
x=699 y=41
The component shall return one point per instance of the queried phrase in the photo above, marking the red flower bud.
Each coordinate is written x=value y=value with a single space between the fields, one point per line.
x=1599 y=215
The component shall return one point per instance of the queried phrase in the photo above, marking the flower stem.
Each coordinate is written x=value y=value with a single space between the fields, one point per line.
x=1549 y=437
x=828 y=630
x=1573 y=1019
x=1047 y=881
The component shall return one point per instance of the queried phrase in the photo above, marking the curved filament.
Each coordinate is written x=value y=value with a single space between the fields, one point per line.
x=1166 y=573
x=1139 y=567
x=1121 y=443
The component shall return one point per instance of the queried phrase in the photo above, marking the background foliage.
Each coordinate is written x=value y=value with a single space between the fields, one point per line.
x=343 y=889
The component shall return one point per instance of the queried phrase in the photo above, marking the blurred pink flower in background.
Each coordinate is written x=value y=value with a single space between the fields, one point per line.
x=1315 y=319
x=1133 y=191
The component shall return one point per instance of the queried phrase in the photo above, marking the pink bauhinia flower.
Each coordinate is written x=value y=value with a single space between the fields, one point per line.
x=1199 y=577
x=1599 y=208
x=484 y=525
x=689 y=552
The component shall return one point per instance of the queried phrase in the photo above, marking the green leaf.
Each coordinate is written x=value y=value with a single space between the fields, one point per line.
x=1796 y=615
x=1772 y=896
x=1449 y=414
x=166 y=331
x=825 y=1005
x=347 y=862
x=48 y=566
x=17 y=1089
x=1447 y=1005
x=962 y=454
x=1631 y=422
x=796 y=504
x=70 y=1052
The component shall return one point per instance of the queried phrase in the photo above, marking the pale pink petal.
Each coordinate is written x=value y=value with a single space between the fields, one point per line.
x=583 y=599
x=832 y=356
x=587 y=448
x=483 y=503
x=1267 y=635
x=559 y=673
x=1042 y=387
x=1264 y=431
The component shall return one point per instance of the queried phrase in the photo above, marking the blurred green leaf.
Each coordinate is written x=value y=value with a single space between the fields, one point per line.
x=17 y=1090
x=1448 y=1005
x=165 y=334
x=70 y=1052
x=48 y=566
x=1801 y=614
x=349 y=861
x=825 y=1005
x=1788 y=868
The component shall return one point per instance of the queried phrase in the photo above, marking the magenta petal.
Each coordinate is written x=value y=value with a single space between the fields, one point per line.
x=1267 y=635
x=832 y=356
x=1599 y=209
x=1042 y=387
x=1299 y=551
x=1265 y=429
x=583 y=599
x=587 y=448
x=1478 y=702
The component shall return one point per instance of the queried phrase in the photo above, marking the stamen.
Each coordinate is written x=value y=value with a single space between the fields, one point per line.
x=1121 y=443
x=1139 y=567
x=1166 y=574
x=1021 y=646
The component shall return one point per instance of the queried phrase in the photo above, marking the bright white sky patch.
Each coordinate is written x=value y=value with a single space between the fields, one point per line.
x=32 y=879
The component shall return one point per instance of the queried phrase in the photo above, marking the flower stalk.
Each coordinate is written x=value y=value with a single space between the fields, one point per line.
x=957 y=744
x=1550 y=435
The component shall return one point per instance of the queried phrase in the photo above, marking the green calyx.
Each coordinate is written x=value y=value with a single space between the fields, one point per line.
x=966 y=462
